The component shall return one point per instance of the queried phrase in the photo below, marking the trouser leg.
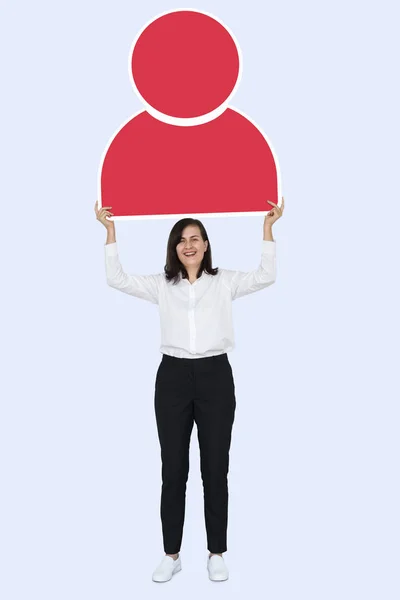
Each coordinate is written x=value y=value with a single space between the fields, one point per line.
x=173 y=405
x=214 y=412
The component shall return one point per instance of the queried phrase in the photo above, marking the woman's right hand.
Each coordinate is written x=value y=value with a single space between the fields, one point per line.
x=102 y=214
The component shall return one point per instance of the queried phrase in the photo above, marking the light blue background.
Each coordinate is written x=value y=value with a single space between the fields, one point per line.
x=314 y=463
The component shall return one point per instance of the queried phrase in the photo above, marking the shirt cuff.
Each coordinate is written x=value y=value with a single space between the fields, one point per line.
x=111 y=249
x=268 y=247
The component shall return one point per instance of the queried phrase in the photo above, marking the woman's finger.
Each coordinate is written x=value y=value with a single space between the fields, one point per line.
x=276 y=206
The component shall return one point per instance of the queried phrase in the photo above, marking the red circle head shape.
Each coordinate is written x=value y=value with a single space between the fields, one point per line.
x=185 y=64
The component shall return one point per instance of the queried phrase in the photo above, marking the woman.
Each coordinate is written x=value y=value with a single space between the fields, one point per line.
x=194 y=380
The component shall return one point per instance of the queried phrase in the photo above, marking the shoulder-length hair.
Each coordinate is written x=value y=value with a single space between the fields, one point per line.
x=174 y=268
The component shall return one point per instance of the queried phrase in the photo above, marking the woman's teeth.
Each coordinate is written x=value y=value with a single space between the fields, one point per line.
x=189 y=254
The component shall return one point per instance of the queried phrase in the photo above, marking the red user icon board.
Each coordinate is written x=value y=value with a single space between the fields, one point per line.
x=187 y=153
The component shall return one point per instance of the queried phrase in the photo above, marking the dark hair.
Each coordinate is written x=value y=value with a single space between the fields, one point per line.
x=173 y=266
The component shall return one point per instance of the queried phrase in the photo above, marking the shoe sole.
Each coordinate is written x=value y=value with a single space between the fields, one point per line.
x=222 y=579
x=176 y=570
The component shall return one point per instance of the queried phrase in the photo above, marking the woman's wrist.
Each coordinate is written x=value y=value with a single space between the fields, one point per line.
x=268 y=233
x=111 y=234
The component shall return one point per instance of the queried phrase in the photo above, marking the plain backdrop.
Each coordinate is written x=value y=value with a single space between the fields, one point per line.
x=314 y=462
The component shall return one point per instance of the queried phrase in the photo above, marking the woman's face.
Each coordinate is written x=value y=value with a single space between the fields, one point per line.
x=191 y=242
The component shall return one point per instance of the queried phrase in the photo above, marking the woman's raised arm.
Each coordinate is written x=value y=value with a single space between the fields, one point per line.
x=145 y=287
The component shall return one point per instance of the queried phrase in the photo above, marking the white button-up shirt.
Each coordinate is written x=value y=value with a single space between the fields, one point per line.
x=195 y=318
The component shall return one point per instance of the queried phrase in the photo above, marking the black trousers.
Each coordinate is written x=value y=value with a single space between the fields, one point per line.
x=200 y=390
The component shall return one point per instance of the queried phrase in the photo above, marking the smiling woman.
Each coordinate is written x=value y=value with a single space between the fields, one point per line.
x=194 y=381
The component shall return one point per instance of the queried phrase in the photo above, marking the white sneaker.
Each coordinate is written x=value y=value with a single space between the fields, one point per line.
x=217 y=569
x=167 y=567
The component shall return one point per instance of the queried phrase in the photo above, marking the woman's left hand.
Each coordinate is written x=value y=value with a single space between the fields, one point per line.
x=275 y=213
